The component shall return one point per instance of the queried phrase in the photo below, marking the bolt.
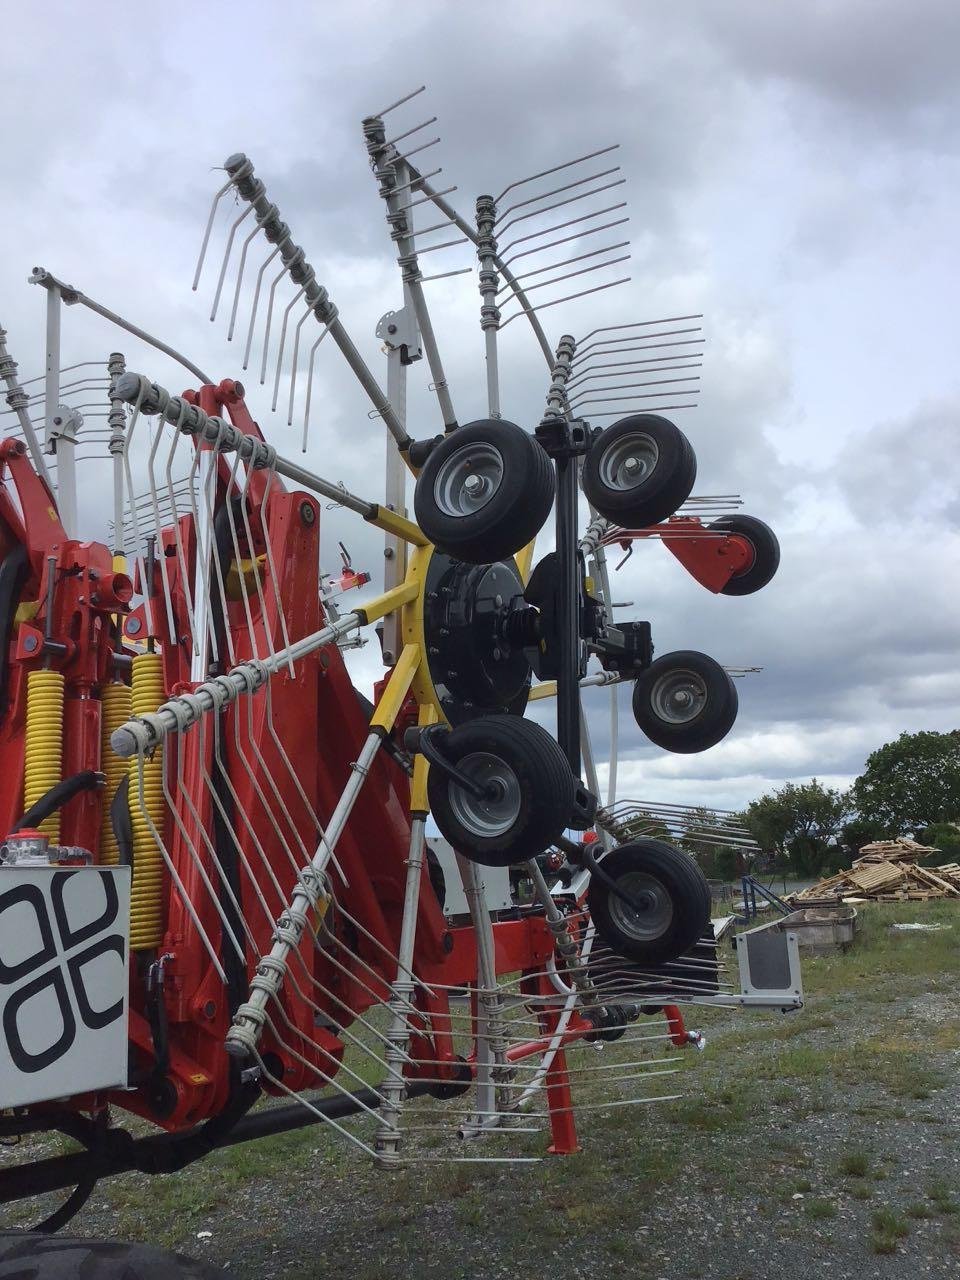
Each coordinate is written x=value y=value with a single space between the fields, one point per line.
x=30 y=643
x=632 y=466
x=497 y=655
x=388 y=553
x=498 y=601
x=134 y=626
x=391 y=328
x=57 y=422
x=474 y=485
x=308 y=513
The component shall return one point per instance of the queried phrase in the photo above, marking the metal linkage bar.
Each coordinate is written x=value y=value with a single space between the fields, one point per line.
x=394 y=178
x=71 y=296
x=18 y=400
x=277 y=233
x=150 y=398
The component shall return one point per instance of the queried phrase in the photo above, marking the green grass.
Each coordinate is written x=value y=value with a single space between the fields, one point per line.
x=736 y=1138
x=888 y=1227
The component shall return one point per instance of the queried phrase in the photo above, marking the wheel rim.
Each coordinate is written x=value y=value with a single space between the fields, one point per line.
x=679 y=697
x=496 y=813
x=656 y=914
x=629 y=462
x=468 y=479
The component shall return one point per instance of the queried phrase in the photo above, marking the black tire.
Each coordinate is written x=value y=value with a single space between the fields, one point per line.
x=766 y=553
x=665 y=474
x=685 y=702
x=505 y=514
x=25 y=1255
x=537 y=790
x=675 y=895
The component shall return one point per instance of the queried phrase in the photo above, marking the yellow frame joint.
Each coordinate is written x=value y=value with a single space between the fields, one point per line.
x=398 y=686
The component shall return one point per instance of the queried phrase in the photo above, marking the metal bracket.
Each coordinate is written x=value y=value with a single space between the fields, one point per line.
x=398 y=331
x=65 y=424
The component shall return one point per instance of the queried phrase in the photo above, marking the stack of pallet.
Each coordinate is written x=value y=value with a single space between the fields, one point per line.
x=887 y=871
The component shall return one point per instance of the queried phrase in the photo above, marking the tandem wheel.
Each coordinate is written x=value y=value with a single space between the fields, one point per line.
x=639 y=470
x=685 y=702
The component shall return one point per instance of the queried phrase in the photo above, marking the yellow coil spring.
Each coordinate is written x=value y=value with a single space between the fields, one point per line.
x=146 y=894
x=114 y=711
x=44 y=747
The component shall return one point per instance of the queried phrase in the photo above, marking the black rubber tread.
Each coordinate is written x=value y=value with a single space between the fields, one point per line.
x=715 y=720
x=666 y=488
x=515 y=513
x=685 y=883
x=766 y=553
x=547 y=786
x=26 y=1255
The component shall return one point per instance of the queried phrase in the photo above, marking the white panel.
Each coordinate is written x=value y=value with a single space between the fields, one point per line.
x=496 y=882
x=64 y=949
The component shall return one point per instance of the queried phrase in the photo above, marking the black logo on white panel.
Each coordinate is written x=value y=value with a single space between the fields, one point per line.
x=49 y=973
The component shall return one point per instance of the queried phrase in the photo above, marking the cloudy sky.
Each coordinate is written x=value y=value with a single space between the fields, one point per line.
x=791 y=172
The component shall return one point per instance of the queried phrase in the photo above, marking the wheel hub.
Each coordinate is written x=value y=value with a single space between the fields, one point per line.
x=475 y=665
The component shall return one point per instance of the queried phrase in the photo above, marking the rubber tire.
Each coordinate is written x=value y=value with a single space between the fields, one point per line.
x=715 y=720
x=686 y=885
x=547 y=788
x=514 y=515
x=766 y=553
x=26 y=1255
x=658 y=496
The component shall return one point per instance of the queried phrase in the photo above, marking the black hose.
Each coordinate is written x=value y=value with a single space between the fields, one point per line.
x=58 y=796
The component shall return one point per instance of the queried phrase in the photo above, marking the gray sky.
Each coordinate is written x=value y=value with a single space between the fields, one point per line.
x=792 y=173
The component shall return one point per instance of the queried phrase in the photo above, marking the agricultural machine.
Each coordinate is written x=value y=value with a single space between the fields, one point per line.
x=236 y=896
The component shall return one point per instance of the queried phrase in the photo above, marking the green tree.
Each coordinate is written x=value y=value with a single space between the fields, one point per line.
x=798 y=822
x=945 y=838
x=912 y=782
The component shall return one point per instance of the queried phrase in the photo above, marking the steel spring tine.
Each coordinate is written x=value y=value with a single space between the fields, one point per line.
x=293 y=364
x=206 y=235
x=253 y=306
x=545 y=195
x=226 y=259
x=283 y=338
x=306 y=412
x=266 y=335
x=236 y=290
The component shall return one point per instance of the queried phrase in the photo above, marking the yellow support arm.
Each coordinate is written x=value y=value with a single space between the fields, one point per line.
x=388 y=708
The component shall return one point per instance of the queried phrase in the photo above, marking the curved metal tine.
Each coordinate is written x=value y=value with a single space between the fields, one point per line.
x=206 y=235
x=238 y=559
x=392 y=142
x=294 y=361
x=158 y=523
x=393 y=105
x=631 y=386
x=601 y=398
x=584 y=271
x=272 y=569
x=172 y=488
x=556 y=191
x=253 y=306
x=560 y=204
x=266 y=334
x=567 y=164
x=306 y=411
x=443 y=275
x=569 y=298
x=139 y=558
x=561 y=226
x=283 y=339
x=655 y=346
x=565 y=262
x=422 y=147
x=614 y=346
x=620 y=367
x=236 y=291
x=582 y=344
x=226 y=259
x=652 y=408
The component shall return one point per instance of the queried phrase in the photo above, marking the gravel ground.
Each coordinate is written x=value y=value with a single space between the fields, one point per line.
x=826 y=1144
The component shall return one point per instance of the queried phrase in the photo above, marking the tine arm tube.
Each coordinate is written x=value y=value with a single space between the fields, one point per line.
x=143 y=733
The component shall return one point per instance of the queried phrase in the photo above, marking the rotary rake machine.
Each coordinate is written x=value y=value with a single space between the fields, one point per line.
x=222 y=905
